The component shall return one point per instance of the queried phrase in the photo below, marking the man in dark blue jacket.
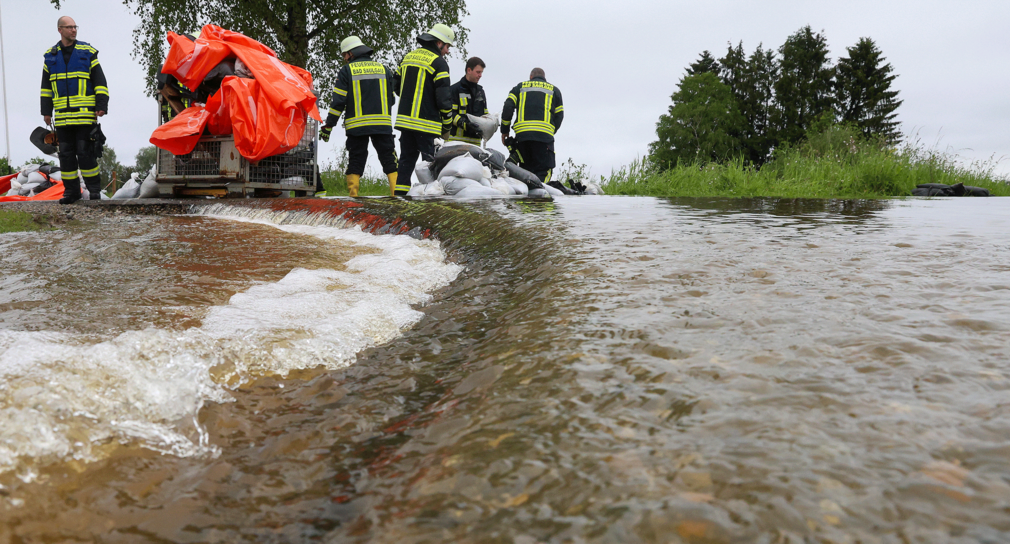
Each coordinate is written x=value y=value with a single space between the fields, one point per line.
x=540 y=113
x=74 y=85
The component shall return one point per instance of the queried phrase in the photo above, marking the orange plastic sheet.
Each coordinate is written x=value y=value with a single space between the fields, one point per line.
x=267 y=114
x=180 y=135
x=53 y=193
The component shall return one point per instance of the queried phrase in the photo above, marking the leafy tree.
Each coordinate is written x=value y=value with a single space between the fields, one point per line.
x=705 y=63
x=700 y=125
x=804 y=89
x=863 y=94
x=146 y=158
x=5 y=167
x=304 y=33
x=107 y=164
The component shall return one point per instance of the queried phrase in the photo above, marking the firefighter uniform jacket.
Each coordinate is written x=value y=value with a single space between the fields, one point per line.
x=425 y=102
x=540 y=111
x=466 y=98
x=73 y=83
x=365 y=89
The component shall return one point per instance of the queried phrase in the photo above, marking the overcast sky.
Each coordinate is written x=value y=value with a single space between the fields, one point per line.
x=617 y=63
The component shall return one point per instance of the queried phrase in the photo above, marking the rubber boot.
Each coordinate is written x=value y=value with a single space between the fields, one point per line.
x=352 y=184
x=69 y=195
x=392 y=183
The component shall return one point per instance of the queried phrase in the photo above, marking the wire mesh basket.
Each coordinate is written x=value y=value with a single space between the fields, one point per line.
x=215 y=168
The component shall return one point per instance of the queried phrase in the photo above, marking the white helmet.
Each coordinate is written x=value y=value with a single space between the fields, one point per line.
x=349 y=43
x=443 y=33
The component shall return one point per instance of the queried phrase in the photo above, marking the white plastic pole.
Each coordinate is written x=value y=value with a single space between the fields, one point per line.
x=3 y=77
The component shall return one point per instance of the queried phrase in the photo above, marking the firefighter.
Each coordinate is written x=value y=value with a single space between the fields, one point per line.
x=468 y=97
x=539 y=114
x=73 y=83
x=365 y=88
x=425 y=110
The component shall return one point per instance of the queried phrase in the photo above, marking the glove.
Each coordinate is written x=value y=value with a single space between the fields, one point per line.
x=471 y=130
x=324 y=133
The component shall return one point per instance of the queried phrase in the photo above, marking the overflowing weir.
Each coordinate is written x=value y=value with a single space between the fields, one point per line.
x=586 y=369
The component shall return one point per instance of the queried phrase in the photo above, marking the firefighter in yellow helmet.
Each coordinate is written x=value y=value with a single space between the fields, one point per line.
x=425 y=110
x=539 y=111
x=365 y=90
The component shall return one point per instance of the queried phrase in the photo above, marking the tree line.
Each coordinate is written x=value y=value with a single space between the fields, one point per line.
x=746 y=106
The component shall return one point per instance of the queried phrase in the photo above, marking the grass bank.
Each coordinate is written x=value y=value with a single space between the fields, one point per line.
x=335 y=184
x=18 y=221
x=836 y=163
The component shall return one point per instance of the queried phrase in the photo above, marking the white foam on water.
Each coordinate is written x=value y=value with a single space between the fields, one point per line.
x=64 y=398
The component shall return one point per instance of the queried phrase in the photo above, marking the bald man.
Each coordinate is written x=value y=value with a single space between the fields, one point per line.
x=74 y=85
x=539 y=112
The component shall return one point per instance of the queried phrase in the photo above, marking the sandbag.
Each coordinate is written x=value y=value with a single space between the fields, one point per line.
x=463 y=167
x=941 y=189
x=495 y=160
x=36 y=177
x=529 y=178
x=445 y=154
x=149 y=188
x=518 y=187
x=539 y=193
x=502 y=186
x=487 y=125
x=434 y=189
x=423 y=173
x=28 y=187
x=454 y=185
x=130 y=189
x=478 y=191
x=553 y=191
x=416 y=190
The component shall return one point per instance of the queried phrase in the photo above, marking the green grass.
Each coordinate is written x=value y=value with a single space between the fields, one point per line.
x=14 y=221
x=834 y=164
x=335 y=184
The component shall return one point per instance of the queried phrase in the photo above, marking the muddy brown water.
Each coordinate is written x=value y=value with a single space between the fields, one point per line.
x=599 y=369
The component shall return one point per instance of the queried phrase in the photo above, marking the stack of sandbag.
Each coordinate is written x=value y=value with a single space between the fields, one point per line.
x=137 y=189
x=33 y=179
x=465 y=170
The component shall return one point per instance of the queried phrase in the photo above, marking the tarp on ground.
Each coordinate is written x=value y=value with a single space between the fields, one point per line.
x=266 y=114
x=53 y=193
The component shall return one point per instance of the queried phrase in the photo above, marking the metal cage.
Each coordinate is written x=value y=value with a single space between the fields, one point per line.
x=215 y=168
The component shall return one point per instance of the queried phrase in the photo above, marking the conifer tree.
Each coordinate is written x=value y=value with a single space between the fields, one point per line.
x=751 y=81
x=805 y=88
x=863 y=94
x=705 y=63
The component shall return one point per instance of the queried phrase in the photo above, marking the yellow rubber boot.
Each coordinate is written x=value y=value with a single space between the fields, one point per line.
x=392 y=183
x=352 y=184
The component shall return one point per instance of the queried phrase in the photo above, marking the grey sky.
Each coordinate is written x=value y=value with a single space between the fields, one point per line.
x=617 y=64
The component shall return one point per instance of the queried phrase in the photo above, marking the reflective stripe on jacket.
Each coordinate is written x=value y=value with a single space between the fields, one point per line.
x=540 y=111
x=365 y=89
x=467 y=98
x=76 y=89
x=425 y=102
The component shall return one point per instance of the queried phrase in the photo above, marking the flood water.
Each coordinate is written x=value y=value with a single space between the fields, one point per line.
x=592 y=369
